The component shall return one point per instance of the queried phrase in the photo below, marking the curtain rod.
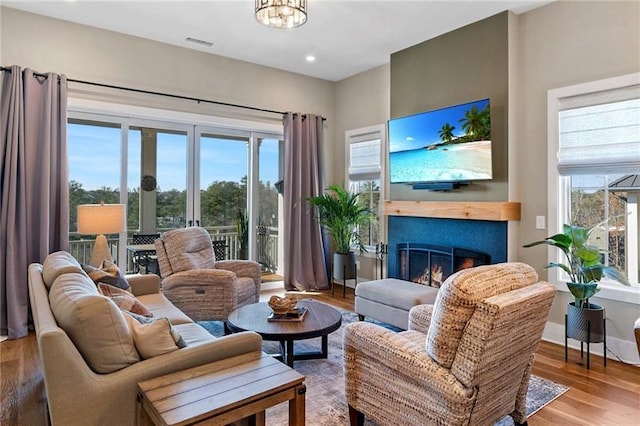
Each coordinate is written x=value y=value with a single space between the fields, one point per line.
x=170 y=95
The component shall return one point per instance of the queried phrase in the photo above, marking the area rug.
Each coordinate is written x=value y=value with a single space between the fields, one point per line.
x=325 y=400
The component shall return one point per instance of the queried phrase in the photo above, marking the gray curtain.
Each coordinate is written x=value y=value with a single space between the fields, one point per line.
x=34 y=209
x=304 y=265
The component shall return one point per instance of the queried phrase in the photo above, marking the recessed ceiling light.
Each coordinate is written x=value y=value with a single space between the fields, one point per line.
x=310 y=58
x=198 y=41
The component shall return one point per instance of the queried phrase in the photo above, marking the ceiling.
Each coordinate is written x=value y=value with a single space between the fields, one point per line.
x=346 y=36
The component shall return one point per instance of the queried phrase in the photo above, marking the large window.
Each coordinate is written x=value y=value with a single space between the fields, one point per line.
x=175 y=170
x=364 y=153
x=609 y=202
x=594 y=166
x=94 y=175
x=370 y=190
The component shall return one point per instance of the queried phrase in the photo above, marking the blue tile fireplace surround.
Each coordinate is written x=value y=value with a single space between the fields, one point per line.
x=480 y=236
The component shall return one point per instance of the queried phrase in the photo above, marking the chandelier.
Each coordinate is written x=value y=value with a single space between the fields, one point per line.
x=281 y=13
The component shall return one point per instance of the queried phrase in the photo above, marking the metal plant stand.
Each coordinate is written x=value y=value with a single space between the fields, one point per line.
x=588 y=341
x=344 y=282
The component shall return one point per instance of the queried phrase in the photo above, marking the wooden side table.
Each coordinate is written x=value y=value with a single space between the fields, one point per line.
x=222 y=392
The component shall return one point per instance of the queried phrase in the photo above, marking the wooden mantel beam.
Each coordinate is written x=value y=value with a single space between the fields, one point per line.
x=473 y=210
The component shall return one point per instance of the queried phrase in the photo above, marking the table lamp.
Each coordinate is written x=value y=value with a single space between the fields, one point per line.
x=101 y=219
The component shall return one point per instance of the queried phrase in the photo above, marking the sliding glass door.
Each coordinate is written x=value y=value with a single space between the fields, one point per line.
x=269 y=202
x=157 y=179
x=94 y=176
x=238 y=200
x=179 y=175
x=223 y=169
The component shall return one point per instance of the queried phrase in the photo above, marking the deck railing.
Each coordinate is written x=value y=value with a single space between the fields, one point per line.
x=81 y=247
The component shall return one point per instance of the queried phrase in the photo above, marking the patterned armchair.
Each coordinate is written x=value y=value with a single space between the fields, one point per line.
x=200 y=286
x=464 y=360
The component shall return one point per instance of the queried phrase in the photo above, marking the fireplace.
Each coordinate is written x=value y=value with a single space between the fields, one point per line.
x=480 y=236
x=431 y=264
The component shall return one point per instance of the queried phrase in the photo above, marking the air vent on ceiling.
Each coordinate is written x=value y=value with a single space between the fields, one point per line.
x=198 y=41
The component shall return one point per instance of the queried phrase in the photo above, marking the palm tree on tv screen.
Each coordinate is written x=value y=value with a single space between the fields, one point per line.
x=477 y=123
x=446 y=132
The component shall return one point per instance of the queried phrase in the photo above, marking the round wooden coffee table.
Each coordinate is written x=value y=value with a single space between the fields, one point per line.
x=319 y=321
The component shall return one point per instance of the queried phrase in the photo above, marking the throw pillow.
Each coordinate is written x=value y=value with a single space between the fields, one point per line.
x=125 y=300
x=154 y=338
x=96 y=326
x=146 y=320
x=140 y=318
x=56 y=264
x=107 y=273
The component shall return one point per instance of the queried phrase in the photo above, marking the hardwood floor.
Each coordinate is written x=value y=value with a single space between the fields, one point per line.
x=599 y=396
x=22 y=395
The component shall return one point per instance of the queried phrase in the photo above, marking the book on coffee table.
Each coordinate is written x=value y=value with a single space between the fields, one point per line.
x=296 y=315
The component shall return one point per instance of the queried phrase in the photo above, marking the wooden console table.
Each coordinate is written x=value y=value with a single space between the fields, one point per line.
x=222 y=392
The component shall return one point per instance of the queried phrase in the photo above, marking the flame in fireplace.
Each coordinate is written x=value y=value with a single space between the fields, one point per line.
x=433 y=277
x=466 y=264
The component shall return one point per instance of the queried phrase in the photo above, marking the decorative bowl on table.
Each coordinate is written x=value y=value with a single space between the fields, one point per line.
x=282 y=305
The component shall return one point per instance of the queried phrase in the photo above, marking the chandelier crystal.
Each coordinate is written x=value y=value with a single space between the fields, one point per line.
x=281 y=13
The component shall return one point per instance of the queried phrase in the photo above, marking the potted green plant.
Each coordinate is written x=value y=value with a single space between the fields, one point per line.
x=342 y=213
x=585 y=321
x=242 y=228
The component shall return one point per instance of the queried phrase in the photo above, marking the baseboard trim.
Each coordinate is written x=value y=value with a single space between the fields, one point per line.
x=625 y=349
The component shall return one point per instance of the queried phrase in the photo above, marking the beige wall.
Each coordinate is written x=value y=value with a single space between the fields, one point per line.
x=361 y=101
x=93 y=54
x=464 y=65
x=558 y=45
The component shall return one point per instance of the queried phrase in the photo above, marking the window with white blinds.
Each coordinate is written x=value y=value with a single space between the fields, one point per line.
x=599 y=132
x=365 y=159
x=364 y=151
x=593 y=173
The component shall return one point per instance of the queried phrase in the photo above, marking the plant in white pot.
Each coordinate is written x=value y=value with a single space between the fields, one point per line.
x=585 y=271
x=342 y=213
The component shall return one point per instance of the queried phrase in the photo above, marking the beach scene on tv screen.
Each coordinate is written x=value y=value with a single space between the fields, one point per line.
x=445 y=145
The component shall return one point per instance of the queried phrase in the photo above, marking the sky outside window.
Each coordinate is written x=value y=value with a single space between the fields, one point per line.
x=94 y=159
x=94 y=155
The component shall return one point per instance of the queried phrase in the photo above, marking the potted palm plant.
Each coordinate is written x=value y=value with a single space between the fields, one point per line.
x=342 y=213
x=585 y=321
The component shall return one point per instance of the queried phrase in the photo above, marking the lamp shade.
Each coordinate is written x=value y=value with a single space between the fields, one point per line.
x=96 y=219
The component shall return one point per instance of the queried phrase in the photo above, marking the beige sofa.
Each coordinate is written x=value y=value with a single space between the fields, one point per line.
x=90 y=362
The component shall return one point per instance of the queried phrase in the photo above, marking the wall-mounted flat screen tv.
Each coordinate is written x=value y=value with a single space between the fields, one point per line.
x=451 y=144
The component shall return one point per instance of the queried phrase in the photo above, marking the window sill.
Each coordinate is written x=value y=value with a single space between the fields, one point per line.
x=613 y=291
